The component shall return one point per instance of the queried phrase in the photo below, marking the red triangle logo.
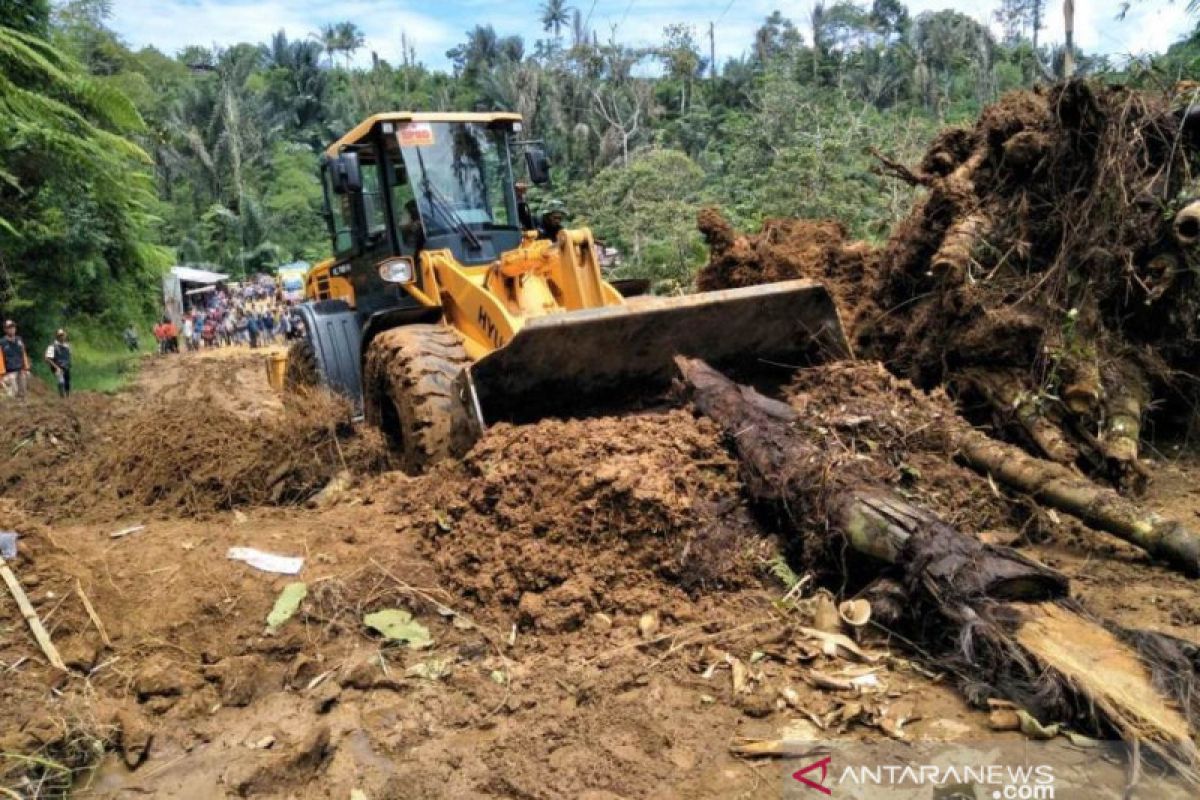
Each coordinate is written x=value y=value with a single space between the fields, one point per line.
x=802 y=775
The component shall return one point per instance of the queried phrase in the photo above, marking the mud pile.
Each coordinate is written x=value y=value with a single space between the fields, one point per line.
x=881 y=430
x=190 y=456
x=1048 y=278
x=786 y=249
x=38 y=435
x=565 y=518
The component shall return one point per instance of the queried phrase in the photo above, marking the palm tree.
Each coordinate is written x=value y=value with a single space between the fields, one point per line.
x=554 y=15
x=350 y=40
x=328 y=37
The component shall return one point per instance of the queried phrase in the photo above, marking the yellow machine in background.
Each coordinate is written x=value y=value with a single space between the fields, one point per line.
x=320 y=284
x=443 y=310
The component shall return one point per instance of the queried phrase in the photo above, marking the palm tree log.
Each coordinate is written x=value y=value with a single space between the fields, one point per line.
x=789 y=470
x=1014 y=403
x=1104 y=509
x=952 y=260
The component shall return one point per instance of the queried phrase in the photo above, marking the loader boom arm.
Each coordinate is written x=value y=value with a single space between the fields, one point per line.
x=489 y=305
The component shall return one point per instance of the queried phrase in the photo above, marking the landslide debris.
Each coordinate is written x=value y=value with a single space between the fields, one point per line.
x=786 y=249
x=1047 y=279
x=95 y=456
x=565 y=518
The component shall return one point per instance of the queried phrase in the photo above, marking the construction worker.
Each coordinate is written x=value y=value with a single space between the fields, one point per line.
x=16 y=363
x=552 y=220
x=411 y=232
x=58 y=356
x=524 y=215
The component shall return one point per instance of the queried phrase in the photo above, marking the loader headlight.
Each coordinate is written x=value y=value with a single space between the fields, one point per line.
x=397 y=270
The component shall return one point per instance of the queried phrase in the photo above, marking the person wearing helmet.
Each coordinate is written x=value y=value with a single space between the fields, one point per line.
x=58 y=356
x=553 y=218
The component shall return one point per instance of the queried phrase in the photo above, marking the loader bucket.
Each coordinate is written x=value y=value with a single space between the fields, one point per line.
x=565 y=364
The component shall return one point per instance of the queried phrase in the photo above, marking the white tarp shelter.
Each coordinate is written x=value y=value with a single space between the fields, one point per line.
x=192 y=275
x=190 y=281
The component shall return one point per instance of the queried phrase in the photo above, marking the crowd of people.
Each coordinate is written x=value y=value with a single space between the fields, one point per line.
x=254 y=316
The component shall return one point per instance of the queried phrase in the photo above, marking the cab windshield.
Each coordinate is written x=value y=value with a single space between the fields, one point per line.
x=460 y=175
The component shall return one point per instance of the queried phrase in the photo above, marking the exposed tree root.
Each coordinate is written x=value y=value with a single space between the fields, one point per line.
x=1052 y=269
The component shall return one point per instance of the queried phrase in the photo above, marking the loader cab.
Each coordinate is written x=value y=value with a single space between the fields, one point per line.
x=401 y=184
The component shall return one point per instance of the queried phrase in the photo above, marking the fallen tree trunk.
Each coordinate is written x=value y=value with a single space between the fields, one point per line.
x=1104 y=509
x=1001 y=618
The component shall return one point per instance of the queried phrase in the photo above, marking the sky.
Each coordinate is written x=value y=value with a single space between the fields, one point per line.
x=1149 y=27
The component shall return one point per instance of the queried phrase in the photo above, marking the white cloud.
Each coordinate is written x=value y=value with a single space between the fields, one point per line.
x=171 y=25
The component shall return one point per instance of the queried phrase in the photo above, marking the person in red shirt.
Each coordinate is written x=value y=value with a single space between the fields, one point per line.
x=172 y=334
x=160 y=336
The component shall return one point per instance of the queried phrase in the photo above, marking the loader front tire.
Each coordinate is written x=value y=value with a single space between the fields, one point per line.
x=409 y=392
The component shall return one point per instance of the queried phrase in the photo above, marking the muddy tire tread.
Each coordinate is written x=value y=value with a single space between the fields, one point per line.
x=413 y=368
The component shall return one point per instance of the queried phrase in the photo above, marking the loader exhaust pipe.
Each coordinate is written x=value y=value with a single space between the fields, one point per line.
x=1187 y=224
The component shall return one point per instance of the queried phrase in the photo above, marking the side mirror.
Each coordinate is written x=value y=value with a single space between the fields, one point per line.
x=539 y=166
x=347 y=177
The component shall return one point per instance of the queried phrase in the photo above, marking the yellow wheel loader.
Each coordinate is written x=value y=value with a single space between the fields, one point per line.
x=443 y=311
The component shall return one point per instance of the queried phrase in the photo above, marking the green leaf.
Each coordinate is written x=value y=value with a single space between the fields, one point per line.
x=398 y=625
x=286 y=605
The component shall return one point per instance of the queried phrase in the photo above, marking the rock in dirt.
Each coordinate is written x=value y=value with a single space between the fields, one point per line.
x=161 y=677
x=326 y=696
x=303 y=671
x=81 y=653
x=242 y=680
x=365 y=674
x=134 y=737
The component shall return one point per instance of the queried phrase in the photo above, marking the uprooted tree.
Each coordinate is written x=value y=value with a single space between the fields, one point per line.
x=1048 y=278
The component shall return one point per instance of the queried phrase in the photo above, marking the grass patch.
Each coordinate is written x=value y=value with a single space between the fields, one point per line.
x=99 y=363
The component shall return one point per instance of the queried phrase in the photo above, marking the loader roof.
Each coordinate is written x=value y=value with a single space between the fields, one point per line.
x=364 y=128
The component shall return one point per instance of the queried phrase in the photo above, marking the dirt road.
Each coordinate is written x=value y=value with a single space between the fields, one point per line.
x=604 y=614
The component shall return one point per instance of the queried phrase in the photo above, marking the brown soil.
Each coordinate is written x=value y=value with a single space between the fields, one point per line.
x=621 y=514
x=168 y=447
x=586 y=584
x=578 y=579
x=787 y=249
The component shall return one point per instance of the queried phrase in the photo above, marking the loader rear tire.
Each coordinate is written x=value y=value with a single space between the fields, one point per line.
x=302 y=372
x=409 y=392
